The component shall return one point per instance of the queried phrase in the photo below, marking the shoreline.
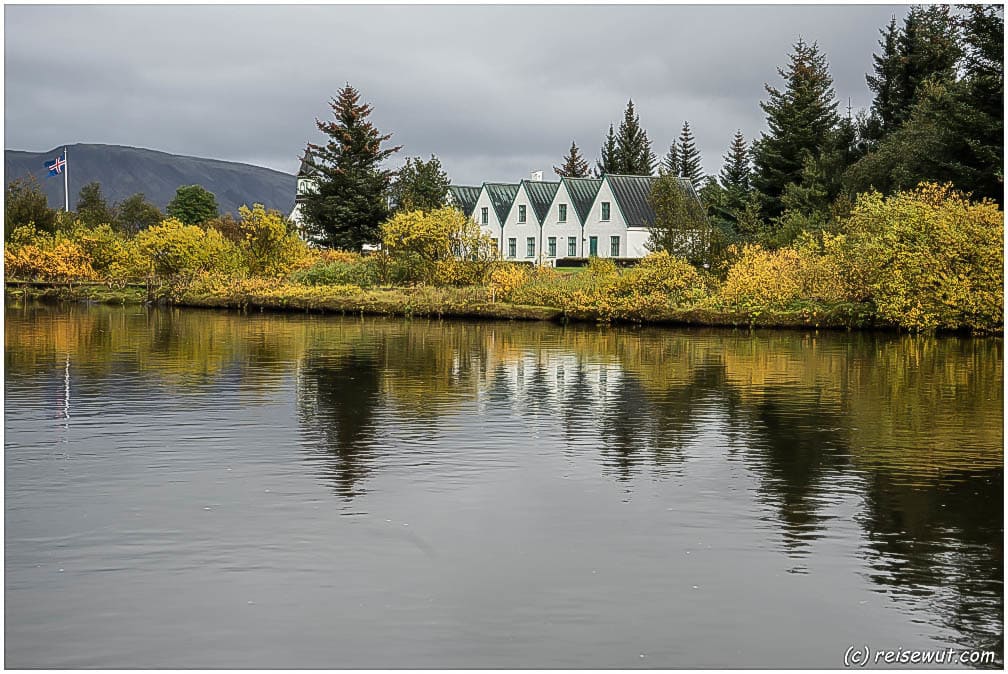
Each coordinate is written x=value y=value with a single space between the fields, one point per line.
x=389 y=303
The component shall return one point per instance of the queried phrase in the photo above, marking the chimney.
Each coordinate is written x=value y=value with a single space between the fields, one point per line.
x=537 y=176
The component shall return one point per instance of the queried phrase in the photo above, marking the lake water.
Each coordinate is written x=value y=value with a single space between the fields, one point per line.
x=191 y=488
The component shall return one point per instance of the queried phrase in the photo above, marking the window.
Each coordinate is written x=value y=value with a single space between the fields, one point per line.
x=605 y=210
x=484 y=215
x=552 y=246
x=614 y=246
x=562 y=214
x=593 y=246
x=512 y=247
x=521 y=213
x=530 y=247
x=571 y=246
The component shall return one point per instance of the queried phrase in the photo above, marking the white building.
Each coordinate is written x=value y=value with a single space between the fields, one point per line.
x=305 y=185
x=540 y=221
x=491 y=210
x=563 y=227
x=543 y=221
x=523 y=227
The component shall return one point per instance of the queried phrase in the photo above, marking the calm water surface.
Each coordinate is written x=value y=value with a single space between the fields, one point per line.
x=197 y=489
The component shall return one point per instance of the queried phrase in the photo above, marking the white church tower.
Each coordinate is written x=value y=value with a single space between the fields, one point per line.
x=305 y=185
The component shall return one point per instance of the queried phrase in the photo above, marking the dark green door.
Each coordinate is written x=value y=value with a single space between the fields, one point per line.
x=593 y=246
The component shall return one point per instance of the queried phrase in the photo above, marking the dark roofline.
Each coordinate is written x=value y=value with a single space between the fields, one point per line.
x=581 y=220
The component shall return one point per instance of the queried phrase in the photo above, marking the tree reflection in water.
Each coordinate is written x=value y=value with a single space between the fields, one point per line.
x=910 y=428
x=337 y=399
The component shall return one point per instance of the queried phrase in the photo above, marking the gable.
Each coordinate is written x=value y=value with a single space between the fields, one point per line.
x=632 y=194
x=582 y=193
x=501 y=195
x=540 y=195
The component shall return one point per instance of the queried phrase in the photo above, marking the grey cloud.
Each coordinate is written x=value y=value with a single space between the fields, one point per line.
x=495 y=91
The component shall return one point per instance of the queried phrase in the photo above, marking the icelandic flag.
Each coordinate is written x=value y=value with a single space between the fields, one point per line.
x=57 y=165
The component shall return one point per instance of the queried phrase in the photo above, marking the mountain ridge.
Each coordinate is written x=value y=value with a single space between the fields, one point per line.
x=124 y=170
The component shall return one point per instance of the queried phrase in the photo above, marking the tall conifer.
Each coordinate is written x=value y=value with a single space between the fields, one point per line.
x=350 y=203
x=607 y=162
x=884 y=83
x=690 y=165
x=735 y=172
x=670 y=162
x=801 y=121
x=633 y=149
x=574 y=165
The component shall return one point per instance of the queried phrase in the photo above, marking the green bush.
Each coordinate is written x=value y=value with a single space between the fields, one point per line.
x=361 y=273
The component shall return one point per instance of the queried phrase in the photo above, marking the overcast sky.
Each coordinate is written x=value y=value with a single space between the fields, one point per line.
x=494 y=91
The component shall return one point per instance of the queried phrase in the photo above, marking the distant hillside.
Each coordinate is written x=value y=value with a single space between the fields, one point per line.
x=123 y=171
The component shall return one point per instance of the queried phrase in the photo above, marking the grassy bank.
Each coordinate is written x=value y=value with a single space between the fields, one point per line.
x=474 y=303
x=97 y=293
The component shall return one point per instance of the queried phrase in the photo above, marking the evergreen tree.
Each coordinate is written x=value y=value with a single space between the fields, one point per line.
x=420 y=185
x=607 y=160
x=885 y=106
x=955 y=130
x=633 y=149
x=193 y=205
x=983 y=97
x=801 y=120
x=690 y=166
x=928 y=49
x=349 y=205
x=670 y=162
x=735 y=172
x=574 y=165
x=92 y=209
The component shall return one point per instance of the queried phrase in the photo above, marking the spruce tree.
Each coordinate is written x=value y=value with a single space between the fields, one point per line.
x=350 y=203
x=690 y=166
x=928 y=49
x=955 y=130
x=801 y=119
x=633 y=149
x=884 y=83
x=735 y=172
x=670 y=162
x=574 y=165
x=607 y=160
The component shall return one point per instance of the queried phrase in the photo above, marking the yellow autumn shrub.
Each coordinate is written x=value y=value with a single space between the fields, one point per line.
x=931 y=257
x=507 y=278
x=61 y=262
x=764 y=279
x=173 y=248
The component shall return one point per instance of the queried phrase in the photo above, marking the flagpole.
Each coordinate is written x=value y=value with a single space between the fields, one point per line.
x=66 y=181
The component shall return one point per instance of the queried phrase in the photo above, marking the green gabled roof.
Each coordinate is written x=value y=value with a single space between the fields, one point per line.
x=501 y=195
x=465 y=197
x=540 y=194
x=582 y=192
x=633 y=195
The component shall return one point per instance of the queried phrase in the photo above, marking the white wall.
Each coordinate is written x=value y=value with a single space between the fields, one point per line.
x=637 y=238
x=562 y=230
x=493 y=227
x=521 y=231
x=615 y=226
